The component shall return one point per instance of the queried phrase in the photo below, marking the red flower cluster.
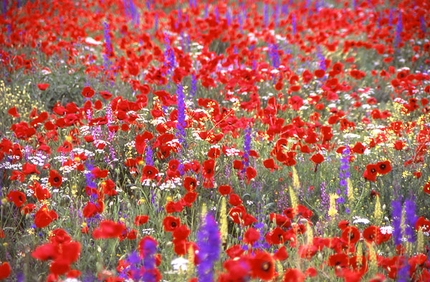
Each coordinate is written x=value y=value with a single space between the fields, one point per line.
x=62 y=251
x=373 y=170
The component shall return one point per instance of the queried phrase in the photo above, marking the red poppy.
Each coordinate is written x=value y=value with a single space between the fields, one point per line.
x=109 y=229
x=209 y=168
x=251 y=236
x=371 y=233
x=280 y=220
x=237 y=270
x=426 y=188
x=235 y=200
x=45 y=252
x=132 y=234
x=235 y=251
x=250 y=173
x=371 y=172
x=311 y=272
x=237 y=164
x=236 y=214
x=17 y=197
x=317 y=158
x=170 y=223
x=43 y=86
x=172 y=207
x=248 y=219
x=13 y=112
x=140 y=219
x=55 y=178
x=44 y=217
x=270 y=164
x=359 y=148
x=140 y=141
x=99 y=173
x=293 y=275
x=108 y=187
x=383 y=167
x=350 y=235
x=224 y=189
x=289 y=212
x=189 y=198
x=319 y=73
x=149 y=172
x=28 y=208
x=88 y=92
x=281 y=254
x=399 y=145
x=181 y=232
x=262 y=266
x=339 y=260
x=190 y=183
x=423 y=224
x=296 y=102
x=4 y=270
x=307 y=251
x=29 y=168
x=275 y=236
x=343 y=224
x=106 y=95
x=214 y=152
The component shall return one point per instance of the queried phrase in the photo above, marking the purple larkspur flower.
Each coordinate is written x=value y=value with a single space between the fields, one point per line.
x=397 y=221
x=247 y=146
x=180 y=126
x=410 y=220
x=209 y=243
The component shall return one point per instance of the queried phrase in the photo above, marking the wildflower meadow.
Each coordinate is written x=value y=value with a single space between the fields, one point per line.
x=237 y=140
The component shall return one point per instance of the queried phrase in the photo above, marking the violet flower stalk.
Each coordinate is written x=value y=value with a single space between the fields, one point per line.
x=209 y=243
x=410 y=220
x=149 y=155
x=294 y=24
x=169 y=55
x=228 y=17
x=4 y=7
x=109 y=49
x=276 y=14
x=399 y=29
x=274 y=56
x=403 y=274
x=131 y=11
x=193 y=91
x=397 y=221
x=423 y=24
x=148 y=248
x=321 y=58
x=181 y=125
x=343 y=176
x=247 y=146
x=193 y=3
x=266 y=14
x=284 y=9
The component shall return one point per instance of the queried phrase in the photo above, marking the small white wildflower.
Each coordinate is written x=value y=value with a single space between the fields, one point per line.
x=92 y=41
x=71 y=280
x=147 y=231
x=386 y=229
x=351 y=136
x=146 y=182
x=232 y=152
x=360 y=220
